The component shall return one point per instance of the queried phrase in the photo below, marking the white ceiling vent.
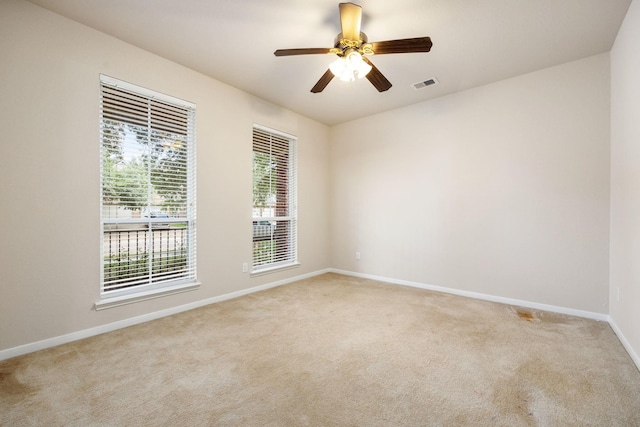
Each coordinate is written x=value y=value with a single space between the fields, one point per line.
x=428 y=82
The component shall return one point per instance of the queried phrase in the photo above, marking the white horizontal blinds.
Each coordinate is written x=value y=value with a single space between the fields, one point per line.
x=148 y=187
x=274 y=199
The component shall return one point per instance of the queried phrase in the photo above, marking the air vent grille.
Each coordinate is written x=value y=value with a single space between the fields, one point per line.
x=425 y=83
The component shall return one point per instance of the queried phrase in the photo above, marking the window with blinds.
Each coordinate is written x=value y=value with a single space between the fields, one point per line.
x=274 y=200
x=148 y=189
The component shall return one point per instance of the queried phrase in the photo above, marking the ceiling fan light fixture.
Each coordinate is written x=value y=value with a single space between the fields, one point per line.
x=350 y=45
x=350 y=67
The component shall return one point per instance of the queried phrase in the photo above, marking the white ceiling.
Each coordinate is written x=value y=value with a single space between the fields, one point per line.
x=475 y=42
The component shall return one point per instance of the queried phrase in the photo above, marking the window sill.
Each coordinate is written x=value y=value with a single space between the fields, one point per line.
x=116 y=301
x=268 y=270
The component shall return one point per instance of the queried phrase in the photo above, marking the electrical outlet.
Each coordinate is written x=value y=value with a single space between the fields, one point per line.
x=357 y=255
x=245 y=267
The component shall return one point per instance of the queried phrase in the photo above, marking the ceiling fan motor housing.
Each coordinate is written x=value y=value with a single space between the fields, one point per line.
x=342 y=45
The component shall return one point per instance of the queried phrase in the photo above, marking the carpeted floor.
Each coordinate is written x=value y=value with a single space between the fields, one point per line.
x=333 y=351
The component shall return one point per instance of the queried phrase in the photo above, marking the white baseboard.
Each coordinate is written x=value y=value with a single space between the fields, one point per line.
x=486 y=297
x=510 y=301
x=625 y=343
x=86 y=333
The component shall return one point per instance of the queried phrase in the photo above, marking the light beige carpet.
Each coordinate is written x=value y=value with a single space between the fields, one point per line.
x=333 y=351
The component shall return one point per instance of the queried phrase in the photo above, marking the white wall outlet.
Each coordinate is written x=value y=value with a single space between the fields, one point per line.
x=357 y=255
x=245 y=267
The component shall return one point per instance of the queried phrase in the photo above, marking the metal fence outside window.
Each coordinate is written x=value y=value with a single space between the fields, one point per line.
x=133 y=256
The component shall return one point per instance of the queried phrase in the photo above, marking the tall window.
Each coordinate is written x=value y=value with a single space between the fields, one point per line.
x=274 y=200
x=148 y=189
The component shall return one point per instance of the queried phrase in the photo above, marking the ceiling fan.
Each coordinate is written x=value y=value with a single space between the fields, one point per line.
x=352 y=48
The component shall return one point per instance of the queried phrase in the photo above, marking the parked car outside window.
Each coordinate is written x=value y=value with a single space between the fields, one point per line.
x=156 y=225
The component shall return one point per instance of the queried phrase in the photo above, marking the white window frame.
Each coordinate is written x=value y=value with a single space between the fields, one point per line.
x=183 y=222
x=284 y=231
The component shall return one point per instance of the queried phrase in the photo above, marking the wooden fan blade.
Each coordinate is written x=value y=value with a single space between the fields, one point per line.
x=350 y=19
x=304 y=51
x=376 y=78
x=418 y=44
x=323 y=82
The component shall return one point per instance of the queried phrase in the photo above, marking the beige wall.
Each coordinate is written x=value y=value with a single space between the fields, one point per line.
x=625 y=181
x=501 y=190
x=49 y=175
